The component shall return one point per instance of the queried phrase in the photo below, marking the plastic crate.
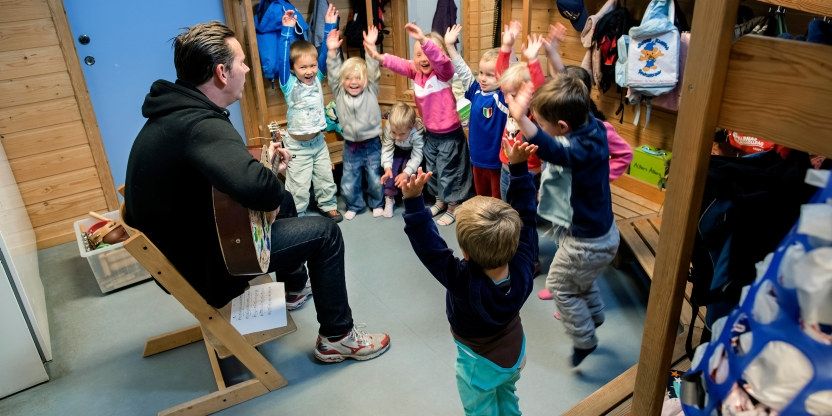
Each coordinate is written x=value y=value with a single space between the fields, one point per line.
x=113 y=266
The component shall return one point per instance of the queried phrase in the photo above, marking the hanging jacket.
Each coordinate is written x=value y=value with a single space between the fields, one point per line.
x=444 y=16
x=268 y=22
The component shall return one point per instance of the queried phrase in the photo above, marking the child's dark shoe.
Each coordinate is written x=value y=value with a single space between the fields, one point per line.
x=578 y=354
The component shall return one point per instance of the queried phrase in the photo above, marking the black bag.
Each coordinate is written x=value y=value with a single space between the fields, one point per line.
x=357 y=23
x=605 y=38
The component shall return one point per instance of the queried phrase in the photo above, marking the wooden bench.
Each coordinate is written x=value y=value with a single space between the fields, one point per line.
x=334 y=143
x=637 y=209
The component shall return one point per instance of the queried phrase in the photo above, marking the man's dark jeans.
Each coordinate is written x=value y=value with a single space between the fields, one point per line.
x=317 y=242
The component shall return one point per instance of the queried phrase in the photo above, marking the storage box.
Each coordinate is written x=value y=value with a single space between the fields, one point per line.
x=650 y=165
x=113 y=266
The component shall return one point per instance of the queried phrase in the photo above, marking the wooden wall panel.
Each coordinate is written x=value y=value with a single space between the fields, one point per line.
x=65 y=208
x=33 y=116
x=46 y=125
x=28 y=62
x=27 y=34
x=60 y=185
x=17 y=91
x=51 y=163
x=45 y=139
x=18 y=10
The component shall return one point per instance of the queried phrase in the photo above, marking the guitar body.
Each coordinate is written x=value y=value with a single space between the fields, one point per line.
x=244 y=234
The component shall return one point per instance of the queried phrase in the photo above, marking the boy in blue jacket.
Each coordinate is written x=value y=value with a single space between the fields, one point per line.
x=487 y=288
x=561 y=107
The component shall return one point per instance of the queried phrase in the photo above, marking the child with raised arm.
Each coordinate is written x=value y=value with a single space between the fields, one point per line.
x=354 y=85
x=446 y=148
x=512 y=77
x=556 y=181
x=488 y=115
x=401 y=151
x=561 y=108
x=487 y=287
x=300 y=73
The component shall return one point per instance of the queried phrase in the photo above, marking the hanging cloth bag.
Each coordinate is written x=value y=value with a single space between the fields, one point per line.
x=648 y=60
x=653 y=54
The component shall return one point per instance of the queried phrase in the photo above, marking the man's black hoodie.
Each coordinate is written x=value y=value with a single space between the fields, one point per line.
x=187 y=146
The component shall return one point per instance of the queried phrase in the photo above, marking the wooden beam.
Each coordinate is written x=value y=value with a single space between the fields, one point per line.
x=526 y=21
x=779 y=90
x=713 y=24
x=82 y=96
x=398 y=18
x=818 y=7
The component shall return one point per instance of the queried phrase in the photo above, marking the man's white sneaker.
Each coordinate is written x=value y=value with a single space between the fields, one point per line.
x=357 y=344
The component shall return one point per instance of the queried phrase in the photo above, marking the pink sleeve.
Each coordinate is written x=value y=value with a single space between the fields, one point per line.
x=536 y=72
x=399 y=65
x=503 y=61
x=620 y=152
x=442 y=65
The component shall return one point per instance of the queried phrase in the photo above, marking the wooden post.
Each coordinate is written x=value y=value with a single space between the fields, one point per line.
x=713 y=23
x=368 y=4
x=398 y=10
x=526 y=21
x=239 y=16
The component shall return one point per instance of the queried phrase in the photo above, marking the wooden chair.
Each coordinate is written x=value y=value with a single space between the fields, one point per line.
x=221 y=338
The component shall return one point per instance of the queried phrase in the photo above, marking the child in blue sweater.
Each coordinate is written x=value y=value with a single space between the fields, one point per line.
x=487 y=288
x=562 y=108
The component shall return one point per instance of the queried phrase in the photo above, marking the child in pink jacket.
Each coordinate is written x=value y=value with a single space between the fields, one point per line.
x=445 y=146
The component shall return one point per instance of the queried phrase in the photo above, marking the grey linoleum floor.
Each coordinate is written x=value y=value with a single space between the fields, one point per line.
x=98 y=339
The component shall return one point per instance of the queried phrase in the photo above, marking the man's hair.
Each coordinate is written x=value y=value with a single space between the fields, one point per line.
x=401 y=116
x=199 y=49
x=300 y=48
x=490 y=55
x=515 y=75
x=488 y=230
x=563 y=98
x=351 y=66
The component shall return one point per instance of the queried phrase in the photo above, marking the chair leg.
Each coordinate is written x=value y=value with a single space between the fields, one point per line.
x=219 y=400
x=215 y=365
x=171 y=340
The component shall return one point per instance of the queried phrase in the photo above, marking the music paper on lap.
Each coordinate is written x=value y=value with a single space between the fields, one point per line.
x=259 y=308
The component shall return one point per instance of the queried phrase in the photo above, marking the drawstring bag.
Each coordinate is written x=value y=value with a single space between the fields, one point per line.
x=648 y=59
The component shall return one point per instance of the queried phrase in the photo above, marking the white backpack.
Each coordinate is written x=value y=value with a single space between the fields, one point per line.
x=648 y=59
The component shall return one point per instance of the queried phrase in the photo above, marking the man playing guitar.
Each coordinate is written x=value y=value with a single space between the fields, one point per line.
x=186 y=147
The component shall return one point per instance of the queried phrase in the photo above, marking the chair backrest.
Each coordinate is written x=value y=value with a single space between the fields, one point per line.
x=210 y=318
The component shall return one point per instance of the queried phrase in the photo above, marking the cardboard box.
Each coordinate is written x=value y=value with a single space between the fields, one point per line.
x=650 y=165
x=113 y=266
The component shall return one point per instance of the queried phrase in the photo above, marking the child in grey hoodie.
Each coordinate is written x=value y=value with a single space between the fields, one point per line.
x=354 y=85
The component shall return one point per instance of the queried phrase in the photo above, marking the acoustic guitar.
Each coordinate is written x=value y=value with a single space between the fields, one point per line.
x=244 y=234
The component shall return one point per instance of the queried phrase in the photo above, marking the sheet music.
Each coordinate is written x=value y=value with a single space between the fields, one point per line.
x=259 y=308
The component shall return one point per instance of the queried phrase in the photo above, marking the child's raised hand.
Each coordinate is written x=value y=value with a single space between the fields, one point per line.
x=518 y=105
x=414 y=184
x=401 y=179
x=518 y=151
x=557 y=33
x=334 y=41
x=372 y=52
x=289 y=18
x=510 y=33
x=415 y=32
x=371 y=36
x=452 y=35
x=533 y=47
x=331 y=14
